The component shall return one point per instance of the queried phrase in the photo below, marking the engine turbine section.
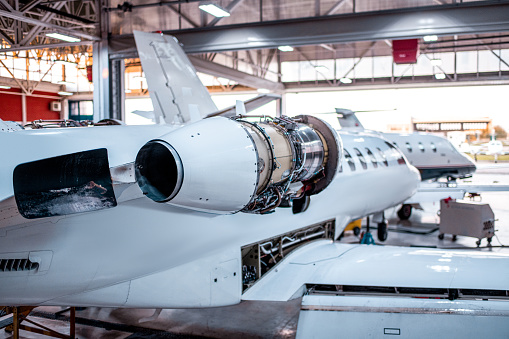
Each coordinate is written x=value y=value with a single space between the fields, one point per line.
x=222 y=165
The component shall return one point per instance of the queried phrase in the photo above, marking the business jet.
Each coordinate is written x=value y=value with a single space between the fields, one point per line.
x=435 y=157
x=96 y=215
x=203 y=211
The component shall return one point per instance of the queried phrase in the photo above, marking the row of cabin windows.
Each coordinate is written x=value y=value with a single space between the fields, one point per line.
x=391 y=152
x=420 y=146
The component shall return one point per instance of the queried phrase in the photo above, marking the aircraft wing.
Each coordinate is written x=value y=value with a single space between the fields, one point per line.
x=364 y=268
x=429 y=192
x=373 y=291
x=177 y=94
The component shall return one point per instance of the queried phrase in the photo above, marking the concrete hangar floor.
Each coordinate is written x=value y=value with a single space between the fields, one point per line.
x=274 y=319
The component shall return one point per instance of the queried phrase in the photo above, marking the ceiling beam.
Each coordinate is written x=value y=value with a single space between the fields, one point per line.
x=394 y=24
x=242 y=78
x=45 y=46
x=20 y=17
x=457 y=19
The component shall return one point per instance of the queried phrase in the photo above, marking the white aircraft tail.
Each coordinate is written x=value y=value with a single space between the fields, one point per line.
x=176 y=91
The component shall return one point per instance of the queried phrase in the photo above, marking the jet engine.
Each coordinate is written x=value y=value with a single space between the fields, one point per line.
x=223 y=165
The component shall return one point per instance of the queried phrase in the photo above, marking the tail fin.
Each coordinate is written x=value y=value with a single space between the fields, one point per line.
x=348 y=120
x=176 y=91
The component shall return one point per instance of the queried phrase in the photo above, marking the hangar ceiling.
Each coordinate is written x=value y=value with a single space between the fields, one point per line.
x=331 y=40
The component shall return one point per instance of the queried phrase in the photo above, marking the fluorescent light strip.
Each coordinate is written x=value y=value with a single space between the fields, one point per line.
x=285 y=48
x=5 y=87
x=430 y=38
x=64 y=93
x=440 y=76
x=63 y=37
x=345 y=80
x=214 y=10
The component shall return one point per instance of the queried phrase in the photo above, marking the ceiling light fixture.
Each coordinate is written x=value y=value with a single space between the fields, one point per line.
x=430 y=38
x=5 y=87
x=345 y=80
x=63 y=37
x=285 y=48
x=214 y=10
x=440 y=76
x=263 y=90
x=64 y=93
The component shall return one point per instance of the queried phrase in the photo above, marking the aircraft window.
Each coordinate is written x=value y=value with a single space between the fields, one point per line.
x=394 y=153
x=372 y=157
x=433 y=147
x=421 y=146
x=349 y=159
x=361 y=158
x=409 y=147
x=384 y=158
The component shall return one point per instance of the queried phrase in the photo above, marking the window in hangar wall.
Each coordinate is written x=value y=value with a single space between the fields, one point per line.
x=382 y=66
x=81 y=110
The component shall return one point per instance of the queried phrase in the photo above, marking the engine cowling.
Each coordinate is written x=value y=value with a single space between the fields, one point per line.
x=225 y=165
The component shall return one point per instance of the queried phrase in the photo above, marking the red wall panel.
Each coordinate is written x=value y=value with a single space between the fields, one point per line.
x=10 y=105
x=37 y=107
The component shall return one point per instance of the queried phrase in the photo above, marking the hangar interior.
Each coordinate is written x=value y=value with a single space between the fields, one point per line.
x=75 y=62
x=275 y=46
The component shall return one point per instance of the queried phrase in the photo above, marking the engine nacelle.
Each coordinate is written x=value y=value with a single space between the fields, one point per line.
x=225 y=165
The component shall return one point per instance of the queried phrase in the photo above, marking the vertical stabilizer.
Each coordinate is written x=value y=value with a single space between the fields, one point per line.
x=348 y=120
x=176 y=91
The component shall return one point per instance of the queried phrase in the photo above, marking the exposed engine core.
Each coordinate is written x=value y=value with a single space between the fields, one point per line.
x=229 y=165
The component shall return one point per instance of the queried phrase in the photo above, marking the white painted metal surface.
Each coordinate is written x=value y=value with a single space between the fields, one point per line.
x=325 y=262
x=122 y=142
x=378 y=317
x=177 y=94
x=140 y=238
x=219 y=164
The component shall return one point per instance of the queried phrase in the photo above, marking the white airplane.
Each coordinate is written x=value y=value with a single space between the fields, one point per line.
x=186 y=214
x=94 y=215
x=434 y=156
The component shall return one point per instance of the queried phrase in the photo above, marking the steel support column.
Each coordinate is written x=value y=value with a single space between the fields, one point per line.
x=101 y=75
x=117 y=77
x=101 y=68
